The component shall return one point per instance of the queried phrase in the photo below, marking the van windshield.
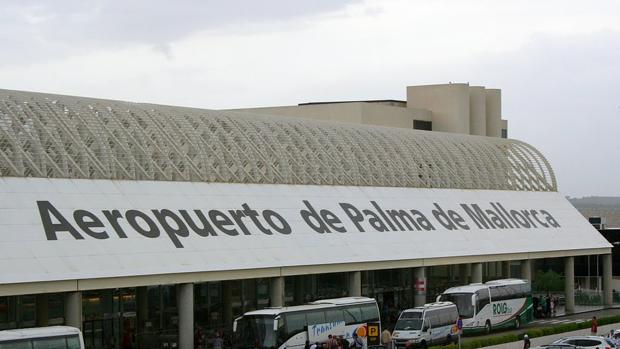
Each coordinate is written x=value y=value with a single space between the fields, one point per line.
x=409 y=321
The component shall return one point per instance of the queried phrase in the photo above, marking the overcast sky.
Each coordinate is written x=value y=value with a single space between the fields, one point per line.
x=557 y=62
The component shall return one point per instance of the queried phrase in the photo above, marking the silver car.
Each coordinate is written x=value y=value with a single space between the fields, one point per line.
x=588 y=342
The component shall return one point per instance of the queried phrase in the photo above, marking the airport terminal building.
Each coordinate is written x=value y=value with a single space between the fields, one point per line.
x=142 y=220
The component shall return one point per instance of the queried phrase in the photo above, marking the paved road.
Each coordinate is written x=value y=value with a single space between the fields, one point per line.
x=573 y=318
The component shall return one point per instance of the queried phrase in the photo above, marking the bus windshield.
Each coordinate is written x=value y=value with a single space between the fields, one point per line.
x=255 y=332
x=409 y=321
x=462 y=301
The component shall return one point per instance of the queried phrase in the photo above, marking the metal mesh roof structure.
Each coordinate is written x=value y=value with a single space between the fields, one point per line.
x=43 y=135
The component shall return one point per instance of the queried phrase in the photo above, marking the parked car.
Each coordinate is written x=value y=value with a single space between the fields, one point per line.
x=557 y=346
x=588 y=342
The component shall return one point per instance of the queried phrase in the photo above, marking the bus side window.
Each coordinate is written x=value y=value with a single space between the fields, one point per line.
x=48 y=343
x=73 y=342
x=295 y=323
x=370 y=313
x=334 y=315
x=315 y=317
x=352 y=314
x=482 y=299
x=22 y=344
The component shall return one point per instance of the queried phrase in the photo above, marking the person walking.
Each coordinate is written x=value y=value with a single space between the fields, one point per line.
x=526 y=341
x=594 y=326
x=386 y=339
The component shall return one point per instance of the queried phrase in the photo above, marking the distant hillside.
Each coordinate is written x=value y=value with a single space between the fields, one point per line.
x=603 y=206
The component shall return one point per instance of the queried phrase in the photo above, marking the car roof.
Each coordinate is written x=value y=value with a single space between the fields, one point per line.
x=582 y=337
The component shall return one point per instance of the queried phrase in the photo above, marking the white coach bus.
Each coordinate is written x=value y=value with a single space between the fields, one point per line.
x=291 y=327
x=494 y=304
x=57 y=337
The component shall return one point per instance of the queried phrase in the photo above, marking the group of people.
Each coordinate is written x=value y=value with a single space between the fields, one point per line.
x=200 y=339
x=337 y=342
x=545 y=306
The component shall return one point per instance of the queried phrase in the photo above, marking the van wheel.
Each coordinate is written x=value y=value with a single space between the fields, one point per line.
x=423 y=345
x=517 y=322
x=487 y=327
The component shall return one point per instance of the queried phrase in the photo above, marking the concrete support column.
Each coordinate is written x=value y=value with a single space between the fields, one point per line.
x=42 y=309
x=526 y=270
x=355 y=284
x=276 y=290
x=607 y=276
x=506 y=269
x=73 y=309
x=476 y=273
x=185 y=304
x=227 y=302
x=419 y=286
x=569 y=283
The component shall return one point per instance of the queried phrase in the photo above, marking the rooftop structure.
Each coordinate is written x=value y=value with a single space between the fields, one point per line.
x=53 y=136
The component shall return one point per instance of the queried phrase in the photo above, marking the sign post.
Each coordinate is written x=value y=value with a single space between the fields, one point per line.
x=459 y=325
x=374 y=334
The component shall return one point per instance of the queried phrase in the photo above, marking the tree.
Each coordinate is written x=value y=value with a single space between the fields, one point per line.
x=548 y=281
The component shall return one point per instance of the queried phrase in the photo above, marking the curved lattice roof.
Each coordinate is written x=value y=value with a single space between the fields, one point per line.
x=44 y=135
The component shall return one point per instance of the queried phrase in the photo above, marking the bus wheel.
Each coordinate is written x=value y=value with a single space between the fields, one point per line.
x=517 y=322
x=487 y=327
x=448 y=339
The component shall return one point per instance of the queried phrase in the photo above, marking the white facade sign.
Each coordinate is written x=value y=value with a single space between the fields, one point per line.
x=65 y=229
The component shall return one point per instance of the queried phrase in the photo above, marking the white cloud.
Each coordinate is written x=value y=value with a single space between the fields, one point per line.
x=555 y=61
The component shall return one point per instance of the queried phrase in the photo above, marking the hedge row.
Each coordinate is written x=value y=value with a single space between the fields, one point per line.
x=474 y=343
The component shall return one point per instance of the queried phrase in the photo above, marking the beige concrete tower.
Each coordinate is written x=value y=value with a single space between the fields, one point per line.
x=477 y=111
x=494 y=112
x=449 y=104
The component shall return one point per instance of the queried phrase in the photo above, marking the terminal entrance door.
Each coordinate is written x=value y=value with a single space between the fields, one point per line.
x=109 y=319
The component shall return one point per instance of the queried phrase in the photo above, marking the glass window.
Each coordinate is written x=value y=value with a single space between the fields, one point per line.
x=352 y=315
x=295 y=323
x=315 y=317
x=49 y=343
x=73 y=342
x=255 y=331
x=482 y=299
x=370 y=313
x=422 y=125
x=334 y=315
x=587 y=342
x=462 y=301
x=17 y=345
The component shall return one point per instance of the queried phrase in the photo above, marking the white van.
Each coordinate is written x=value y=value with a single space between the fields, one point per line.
x=57 y=337
x=420 y=327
